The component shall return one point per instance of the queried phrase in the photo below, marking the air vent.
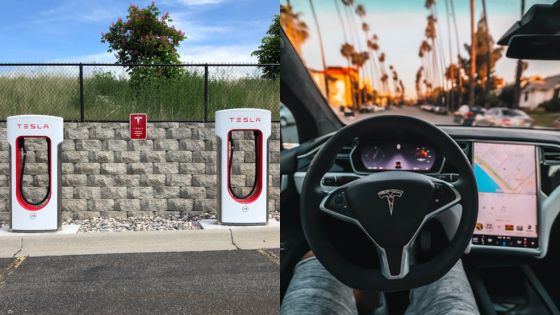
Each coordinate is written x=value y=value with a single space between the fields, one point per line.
x=465 y=146
x=345 y=151
x=550 y=155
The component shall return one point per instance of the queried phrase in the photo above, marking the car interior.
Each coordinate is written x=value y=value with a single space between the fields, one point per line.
x=390 y=202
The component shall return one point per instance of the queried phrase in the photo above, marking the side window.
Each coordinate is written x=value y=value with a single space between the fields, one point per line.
x=288 y=128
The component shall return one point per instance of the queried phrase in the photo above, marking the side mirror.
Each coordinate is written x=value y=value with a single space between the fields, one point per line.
x=538 y=47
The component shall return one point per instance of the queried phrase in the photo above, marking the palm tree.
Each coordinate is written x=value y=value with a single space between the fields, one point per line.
x=358 y=60
x=417 y=82
x=373 y=46
x=384 y=76
x=322 y=47
x=348 y=4
x=341 y=21
x=361 y=12
x=347 y=50
x=295 y=28
x=424 y=54
x=431 y=34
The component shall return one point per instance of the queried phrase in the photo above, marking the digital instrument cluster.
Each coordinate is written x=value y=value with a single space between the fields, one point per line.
x=386 y=156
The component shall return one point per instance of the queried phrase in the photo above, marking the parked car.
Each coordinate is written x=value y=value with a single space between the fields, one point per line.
x=348 y=112
x=440 y=110
x=504 y=117
x=378 y=108
x=427 y=107
x=556 y=122
x=367 y=108
x=469 y=117
x=460 y=113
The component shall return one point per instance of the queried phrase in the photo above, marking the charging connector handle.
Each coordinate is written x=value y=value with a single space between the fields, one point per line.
x=23 y=154
x=257 y=157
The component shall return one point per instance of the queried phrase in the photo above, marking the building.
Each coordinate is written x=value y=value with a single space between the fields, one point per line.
x=340 y=81
x=538 y=91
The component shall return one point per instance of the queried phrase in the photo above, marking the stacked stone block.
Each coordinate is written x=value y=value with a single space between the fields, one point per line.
x=173 y=172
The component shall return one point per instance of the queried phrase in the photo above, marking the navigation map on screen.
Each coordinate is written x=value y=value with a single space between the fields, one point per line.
x=507 y=195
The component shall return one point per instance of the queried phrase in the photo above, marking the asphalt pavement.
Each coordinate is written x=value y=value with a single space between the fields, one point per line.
x=210 y=282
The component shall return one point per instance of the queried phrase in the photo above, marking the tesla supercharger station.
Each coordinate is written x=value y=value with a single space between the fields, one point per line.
x=35 y=215
x=251 y=208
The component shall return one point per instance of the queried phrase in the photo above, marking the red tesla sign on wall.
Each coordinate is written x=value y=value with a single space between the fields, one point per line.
x=138 y=126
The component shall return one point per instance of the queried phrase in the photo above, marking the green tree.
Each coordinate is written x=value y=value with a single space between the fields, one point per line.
x=145 y=37
x=269 y=50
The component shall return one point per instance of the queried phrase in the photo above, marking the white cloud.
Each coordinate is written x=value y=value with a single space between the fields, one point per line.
x=197 y=32
x=102 y=57
x=216 y=54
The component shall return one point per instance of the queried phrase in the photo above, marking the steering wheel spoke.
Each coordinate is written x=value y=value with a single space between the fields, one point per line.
x=445 y=196
x=335 y=204
x=395 y=261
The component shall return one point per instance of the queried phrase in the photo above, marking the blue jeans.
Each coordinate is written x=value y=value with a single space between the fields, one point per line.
x=313 y=290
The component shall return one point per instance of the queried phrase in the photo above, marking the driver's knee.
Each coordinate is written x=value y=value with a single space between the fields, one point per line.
x=313 y=290
x=451 y=294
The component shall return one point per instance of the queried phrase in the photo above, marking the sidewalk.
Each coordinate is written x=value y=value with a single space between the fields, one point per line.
x=139 y=242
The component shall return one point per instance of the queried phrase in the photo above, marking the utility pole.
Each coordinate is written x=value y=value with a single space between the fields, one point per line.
x=473 y=58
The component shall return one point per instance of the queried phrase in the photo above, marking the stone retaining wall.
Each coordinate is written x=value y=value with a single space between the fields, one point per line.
x=104 y=173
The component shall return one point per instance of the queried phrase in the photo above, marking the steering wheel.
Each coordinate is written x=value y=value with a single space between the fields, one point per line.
x=390 y=207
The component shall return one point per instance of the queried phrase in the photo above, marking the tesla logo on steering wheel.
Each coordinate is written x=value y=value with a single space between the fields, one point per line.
x=390 y=194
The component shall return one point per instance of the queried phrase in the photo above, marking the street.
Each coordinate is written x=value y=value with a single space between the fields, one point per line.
x=289 y=133
x=224 y=282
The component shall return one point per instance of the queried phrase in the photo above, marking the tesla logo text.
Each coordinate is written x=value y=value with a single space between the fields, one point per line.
x=33 y=126
x=390 y=195
x=138 y=119
x=245 y=119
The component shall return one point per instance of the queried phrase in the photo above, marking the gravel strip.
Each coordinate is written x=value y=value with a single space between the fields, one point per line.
x=154 y=223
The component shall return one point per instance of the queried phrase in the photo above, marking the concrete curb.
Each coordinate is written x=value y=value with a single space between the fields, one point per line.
x=138 y=242
x=256 y=238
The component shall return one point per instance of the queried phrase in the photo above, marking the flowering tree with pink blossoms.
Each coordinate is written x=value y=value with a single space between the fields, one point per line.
x=145 y=37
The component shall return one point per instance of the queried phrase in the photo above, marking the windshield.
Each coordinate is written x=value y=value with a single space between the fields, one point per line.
x=414 y=58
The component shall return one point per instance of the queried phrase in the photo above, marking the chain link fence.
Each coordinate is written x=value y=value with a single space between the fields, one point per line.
x=110 y=92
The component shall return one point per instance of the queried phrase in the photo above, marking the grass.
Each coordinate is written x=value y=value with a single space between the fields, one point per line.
x=109 y=98
x=544 y=119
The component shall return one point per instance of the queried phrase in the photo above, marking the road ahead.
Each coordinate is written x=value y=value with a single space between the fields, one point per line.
x=221 y=282
x=406 y=111
x=289 y=133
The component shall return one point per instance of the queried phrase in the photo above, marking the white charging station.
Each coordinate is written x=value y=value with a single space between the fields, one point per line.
x=26 y=215
x=251 y=209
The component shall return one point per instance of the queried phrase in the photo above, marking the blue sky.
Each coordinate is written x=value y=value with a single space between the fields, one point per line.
x=400 y=25
x=65 y=30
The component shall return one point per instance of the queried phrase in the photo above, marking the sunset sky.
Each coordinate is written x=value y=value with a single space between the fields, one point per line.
x=400 y=26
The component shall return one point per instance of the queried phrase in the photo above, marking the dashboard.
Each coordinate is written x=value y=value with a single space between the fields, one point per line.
x=517 y=179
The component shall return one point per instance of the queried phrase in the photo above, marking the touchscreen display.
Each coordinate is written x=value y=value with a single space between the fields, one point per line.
x=507 y=195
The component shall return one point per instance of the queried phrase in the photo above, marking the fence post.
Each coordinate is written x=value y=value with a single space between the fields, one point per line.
x=205 y=92
x=82 y=114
